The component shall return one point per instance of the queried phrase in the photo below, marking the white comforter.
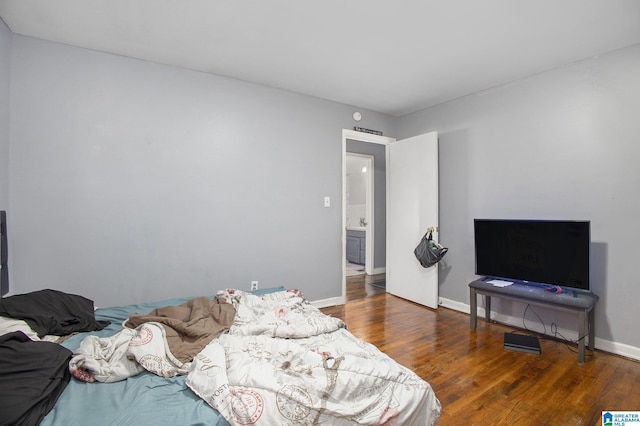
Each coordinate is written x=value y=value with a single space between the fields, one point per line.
x=284 y=362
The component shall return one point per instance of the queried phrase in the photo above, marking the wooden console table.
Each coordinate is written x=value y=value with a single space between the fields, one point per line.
x=582 y=303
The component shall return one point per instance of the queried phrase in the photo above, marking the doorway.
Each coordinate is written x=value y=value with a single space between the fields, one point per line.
x=359 y=213
x=358 y=148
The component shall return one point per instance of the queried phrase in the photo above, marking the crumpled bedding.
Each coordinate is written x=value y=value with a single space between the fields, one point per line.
x=104 y=359
x=188 y=327
x=284 y=362
x=285 y=314
x=143 y=399
x=163 y=342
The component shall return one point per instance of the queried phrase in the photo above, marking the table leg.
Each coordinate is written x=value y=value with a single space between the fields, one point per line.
x=474 y=305
x=582 y=326
x=487 y=313
x=592 y=328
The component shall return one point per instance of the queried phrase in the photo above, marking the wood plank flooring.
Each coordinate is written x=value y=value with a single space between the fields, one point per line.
x=477 y=381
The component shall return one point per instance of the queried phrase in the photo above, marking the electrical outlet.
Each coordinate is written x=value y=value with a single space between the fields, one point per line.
x=254 y=285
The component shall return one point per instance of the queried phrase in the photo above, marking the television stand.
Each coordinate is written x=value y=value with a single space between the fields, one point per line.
x=582 y=303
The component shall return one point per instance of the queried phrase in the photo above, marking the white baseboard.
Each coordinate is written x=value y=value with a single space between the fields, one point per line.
x=616 y=348
x=325 y=303
x=377 y=271
x=458 y=306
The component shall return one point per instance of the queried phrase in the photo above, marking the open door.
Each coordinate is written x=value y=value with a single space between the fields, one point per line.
x=412 y=208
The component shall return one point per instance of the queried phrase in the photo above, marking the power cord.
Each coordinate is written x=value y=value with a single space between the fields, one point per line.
x=524 y=317
x=555 y=334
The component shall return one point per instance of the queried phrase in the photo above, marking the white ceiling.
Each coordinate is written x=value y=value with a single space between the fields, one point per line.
x=391 y=56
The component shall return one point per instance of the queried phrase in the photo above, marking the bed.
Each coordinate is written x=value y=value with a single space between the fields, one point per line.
x=276 y=360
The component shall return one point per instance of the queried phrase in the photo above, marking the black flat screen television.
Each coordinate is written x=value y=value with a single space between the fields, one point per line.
x=539 y=252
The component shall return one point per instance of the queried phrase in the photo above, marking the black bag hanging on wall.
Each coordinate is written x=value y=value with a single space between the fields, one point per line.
x=429 y=251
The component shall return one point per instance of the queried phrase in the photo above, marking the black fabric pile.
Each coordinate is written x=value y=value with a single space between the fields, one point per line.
x=32 y=377
x=34 y=374
x=52 y=312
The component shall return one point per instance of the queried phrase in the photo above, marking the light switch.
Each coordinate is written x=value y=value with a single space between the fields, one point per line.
x=327 y=201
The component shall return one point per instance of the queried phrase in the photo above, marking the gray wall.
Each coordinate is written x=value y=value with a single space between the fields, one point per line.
x=559 y=145
x=133 y=181
x=379 y=197
x=5 y=78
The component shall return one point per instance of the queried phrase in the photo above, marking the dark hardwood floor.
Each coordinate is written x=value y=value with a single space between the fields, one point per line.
x=477 y=381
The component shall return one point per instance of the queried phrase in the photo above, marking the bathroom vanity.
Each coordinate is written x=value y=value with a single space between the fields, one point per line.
x=356 y=245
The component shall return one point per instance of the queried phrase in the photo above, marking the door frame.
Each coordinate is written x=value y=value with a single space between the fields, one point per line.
x=362 y=137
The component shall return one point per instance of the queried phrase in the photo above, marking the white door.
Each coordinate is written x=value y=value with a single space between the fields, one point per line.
x=412 y=208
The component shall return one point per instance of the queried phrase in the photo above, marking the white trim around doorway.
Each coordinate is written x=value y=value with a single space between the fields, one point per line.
x=364 y=137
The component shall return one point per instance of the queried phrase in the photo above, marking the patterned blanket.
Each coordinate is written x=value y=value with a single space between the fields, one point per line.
x=284 y=362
